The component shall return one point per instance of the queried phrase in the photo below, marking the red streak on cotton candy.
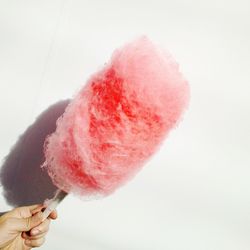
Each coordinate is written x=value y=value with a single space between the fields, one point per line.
x=117 y=121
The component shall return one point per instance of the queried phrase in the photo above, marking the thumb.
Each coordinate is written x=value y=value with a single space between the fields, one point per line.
x=25 y=224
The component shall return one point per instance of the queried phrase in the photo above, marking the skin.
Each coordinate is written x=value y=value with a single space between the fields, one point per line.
x=24 y=228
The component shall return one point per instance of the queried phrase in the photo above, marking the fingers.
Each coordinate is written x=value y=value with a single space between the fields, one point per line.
x=26 y=236
x=34 y=243
x=53 y=215
x=28 y=208
x=38 y=233
x=37 y=208
x=25 y=224
x=42 y=228
x=27 y=211
x=24 y=212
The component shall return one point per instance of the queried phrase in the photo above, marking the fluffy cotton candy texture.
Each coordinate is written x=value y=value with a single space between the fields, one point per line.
x=117 y=121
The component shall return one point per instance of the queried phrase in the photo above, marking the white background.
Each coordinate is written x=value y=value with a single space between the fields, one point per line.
x=195 y=193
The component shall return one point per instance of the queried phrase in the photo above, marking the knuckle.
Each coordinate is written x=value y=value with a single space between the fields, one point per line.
x=17 y=209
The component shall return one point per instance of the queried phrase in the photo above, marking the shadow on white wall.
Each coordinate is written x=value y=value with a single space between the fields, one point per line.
x=22 y=179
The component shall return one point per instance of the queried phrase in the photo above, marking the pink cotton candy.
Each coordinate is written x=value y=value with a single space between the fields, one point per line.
x=117 y=121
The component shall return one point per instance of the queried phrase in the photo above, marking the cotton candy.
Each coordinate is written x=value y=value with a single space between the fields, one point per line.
x=117 y=121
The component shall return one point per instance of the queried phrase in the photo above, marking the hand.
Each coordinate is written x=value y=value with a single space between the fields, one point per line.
x=24 y=228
